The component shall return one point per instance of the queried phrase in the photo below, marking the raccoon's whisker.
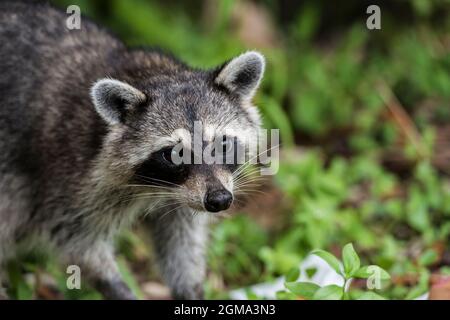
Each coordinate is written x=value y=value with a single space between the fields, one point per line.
x=246 y=188
x=249 y=185
x=150 y=186
x=152 y=208
x=157 y=193
x=245 y=179
x=168 y=212
x=157 y=180
x=254 y=178
x=148 y=195
x=246 y=184
x=154 y=186
x=249 y=191
x=250 y=169
x=247 y=163
x=244 y=174
x=165 y=204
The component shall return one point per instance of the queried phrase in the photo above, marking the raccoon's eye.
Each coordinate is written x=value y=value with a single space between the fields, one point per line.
x=227 y=145
x=169 y=153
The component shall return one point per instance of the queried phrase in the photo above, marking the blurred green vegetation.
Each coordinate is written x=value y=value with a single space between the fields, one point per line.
x=364 y=118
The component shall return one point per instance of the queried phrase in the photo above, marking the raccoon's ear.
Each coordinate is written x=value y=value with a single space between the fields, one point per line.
x=114 y=99
x=242 y=74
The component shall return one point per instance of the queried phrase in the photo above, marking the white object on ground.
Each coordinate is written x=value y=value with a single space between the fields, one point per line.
x=325 y=275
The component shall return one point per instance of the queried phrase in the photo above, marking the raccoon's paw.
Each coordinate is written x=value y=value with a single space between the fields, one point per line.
x=3 y=294
x=194 y=293
x=115 y=290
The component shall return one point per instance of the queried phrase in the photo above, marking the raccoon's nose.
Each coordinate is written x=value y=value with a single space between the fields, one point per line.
x=218 y=200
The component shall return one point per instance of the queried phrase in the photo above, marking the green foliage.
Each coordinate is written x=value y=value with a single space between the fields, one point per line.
x=325 y=90
x=351 y=269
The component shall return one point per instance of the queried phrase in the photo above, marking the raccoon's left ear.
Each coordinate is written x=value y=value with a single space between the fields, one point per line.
x=114 y=99
x=242 y=74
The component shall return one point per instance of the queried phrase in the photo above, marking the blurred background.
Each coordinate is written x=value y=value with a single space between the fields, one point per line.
x=364 y=117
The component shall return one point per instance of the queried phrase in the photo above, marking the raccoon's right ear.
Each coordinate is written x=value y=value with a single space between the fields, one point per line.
x=114 y=99
x=241 y=76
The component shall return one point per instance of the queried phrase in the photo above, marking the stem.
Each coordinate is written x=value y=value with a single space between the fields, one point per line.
x=344 y=289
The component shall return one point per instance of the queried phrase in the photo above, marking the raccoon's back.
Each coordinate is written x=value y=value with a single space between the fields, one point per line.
x=46 y=115
x=39 y=51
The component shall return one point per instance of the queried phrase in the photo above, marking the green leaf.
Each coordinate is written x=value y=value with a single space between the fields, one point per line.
x=284 y=295
x=372 y=270
x=429 y=257
x=251 y=295
x=310 y=272
x=19 y=288
x=128 y=277
x=331 y=292
x=416 y=292
x=302 y=289
x=421 y=288
x=293 y=275
x=369 y=295
x=330 y=259
x=350 y=259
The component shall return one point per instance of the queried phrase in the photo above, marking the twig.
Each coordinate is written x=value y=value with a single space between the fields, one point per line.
x=402 y=118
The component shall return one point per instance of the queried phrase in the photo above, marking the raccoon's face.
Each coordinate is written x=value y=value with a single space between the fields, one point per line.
x=162 y=128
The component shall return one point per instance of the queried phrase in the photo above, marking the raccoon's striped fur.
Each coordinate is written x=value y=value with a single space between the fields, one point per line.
x=85 y=123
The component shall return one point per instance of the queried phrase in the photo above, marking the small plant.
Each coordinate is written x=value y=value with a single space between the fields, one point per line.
x=349 y=268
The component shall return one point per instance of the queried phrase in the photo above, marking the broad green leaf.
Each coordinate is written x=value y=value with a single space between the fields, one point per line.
x=331 y=292
x=369 y=295
x=303 y=289
x=330 y=259
x=293 y=275
x=350 y=259
x=372 y=270
x=284 y=295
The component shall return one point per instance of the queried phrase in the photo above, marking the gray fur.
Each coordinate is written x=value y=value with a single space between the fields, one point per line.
x=69 y=148
x=109 y=94
x=243 y=74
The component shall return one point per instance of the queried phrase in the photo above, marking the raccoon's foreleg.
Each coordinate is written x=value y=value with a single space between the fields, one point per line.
x=180 y=243
x=98 y=266
x=3 y=294
x=3 y=258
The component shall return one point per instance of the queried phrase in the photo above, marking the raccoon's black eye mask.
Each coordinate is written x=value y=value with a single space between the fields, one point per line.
x=229 y=150
x=159 y=169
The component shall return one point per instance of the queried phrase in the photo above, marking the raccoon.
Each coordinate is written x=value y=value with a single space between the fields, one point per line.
x=87 y=130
